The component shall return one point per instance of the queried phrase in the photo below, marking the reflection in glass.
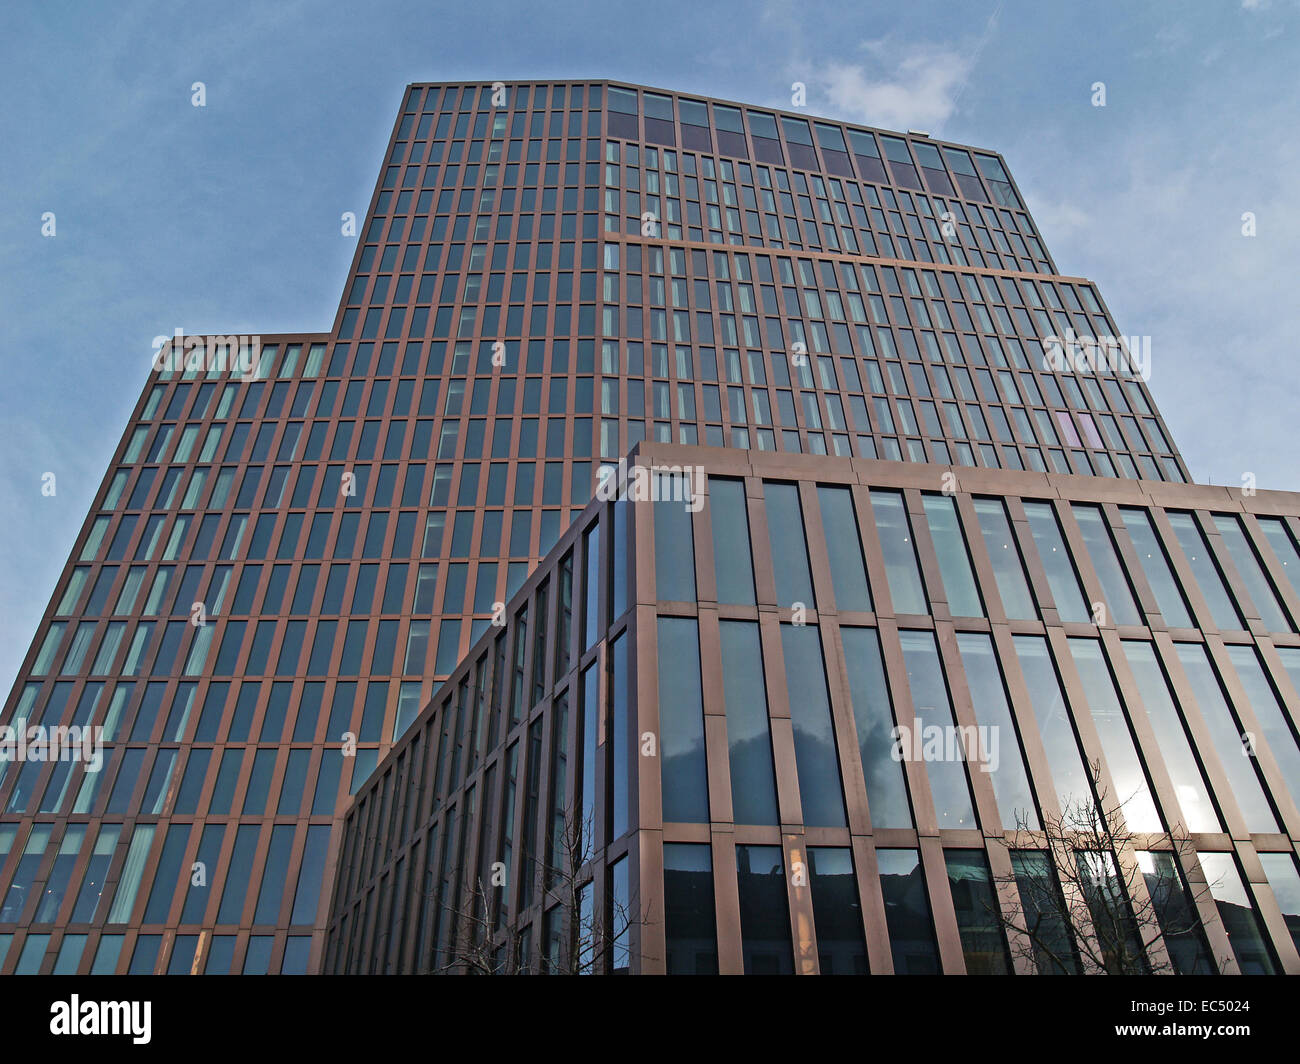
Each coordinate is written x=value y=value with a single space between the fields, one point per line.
x=1004 y=762
x=690 y=926
x=820 y=791
x=1105 y=562
x=764 y=911
x=1179 y=923
x=1055 y=728
x=954 y=560
x=1061 y=576
x=978 y=916
x=1004 y=555
x=1252 y=573
x=844 y=549
x=1171 y=736
x=899 y=552
x=874 y=719
x=907 y=913
x=1155 y=566
x=1268 y=711
x=1280 y=871
x=1226 y=738
x=945 y=763
x=837 y=911
x=1042 y=914
x=789 y=547
x=681 y=722
x=1206 y=571
x=733 y=566
x=1240 y=919
x=749 y=739
x=1132 y=792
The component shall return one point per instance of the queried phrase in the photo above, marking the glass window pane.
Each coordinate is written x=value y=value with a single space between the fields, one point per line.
x=681 y=722
x=764 y=911
x=1188 y=951
x=1197 y=553
x=1002 y=756
x=874 y=718
x=1280 y=870
x=1070 y=605
x=978 y=915
x=1105 y=562
x=907 y=913
x=837 y=911
x=1004 y=554
x=1227 y=737
x=1238 y=914
x=1270 y=714
x=1132 y=793
x=954 y=560
x=899 y=552
x=1252 y=573
x=674 y=552
x=1055 y=727
x=733 y=566
x=1171 y=735
x=936 y=739
x=1151 y=556
x=820 y=792
x=789 y=547
x=749 y=740
x=1041 y=914
x=844 y=549
x=690 y=925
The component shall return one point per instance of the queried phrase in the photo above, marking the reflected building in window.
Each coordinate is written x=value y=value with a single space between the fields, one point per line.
x=706 y=540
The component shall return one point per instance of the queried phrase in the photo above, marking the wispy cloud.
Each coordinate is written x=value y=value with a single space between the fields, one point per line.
x=910 y=87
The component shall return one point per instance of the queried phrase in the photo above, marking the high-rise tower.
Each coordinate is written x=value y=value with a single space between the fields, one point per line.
x=923 y=491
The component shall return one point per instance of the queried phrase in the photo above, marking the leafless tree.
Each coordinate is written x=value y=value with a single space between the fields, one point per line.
x=1092 y=897
x=585 y=942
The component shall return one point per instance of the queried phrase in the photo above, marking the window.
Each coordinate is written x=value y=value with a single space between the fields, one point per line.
x=901 y=568
x=689 y=919
x=764 y=911
x=949 y=786
x=1061 y=577
x=789 y=547
x=837 y=911
x=844 y=549
x=1131 y=790
x=874 y=721
x=816 y=761
x=954 y=561
x=978 y=914
x=1004 y=554
x=1004 y=761
x=749 y=740
x=1236 y=910
x=1105 y=562
x=1151 y=556
x=1198 y=812
x=733 y=567
x=681 y=722
x=907 y=913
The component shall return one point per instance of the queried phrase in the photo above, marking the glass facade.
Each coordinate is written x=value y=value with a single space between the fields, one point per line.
x=367 y=652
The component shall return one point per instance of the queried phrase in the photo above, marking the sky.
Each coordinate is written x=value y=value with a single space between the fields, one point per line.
x=225 y=218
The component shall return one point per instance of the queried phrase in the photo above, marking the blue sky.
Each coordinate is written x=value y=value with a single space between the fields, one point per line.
x=226 y=218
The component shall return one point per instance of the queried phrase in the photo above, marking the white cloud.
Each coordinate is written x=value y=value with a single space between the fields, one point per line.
x=907 y=87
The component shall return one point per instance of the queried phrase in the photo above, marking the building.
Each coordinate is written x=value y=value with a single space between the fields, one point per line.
x=392 y=681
